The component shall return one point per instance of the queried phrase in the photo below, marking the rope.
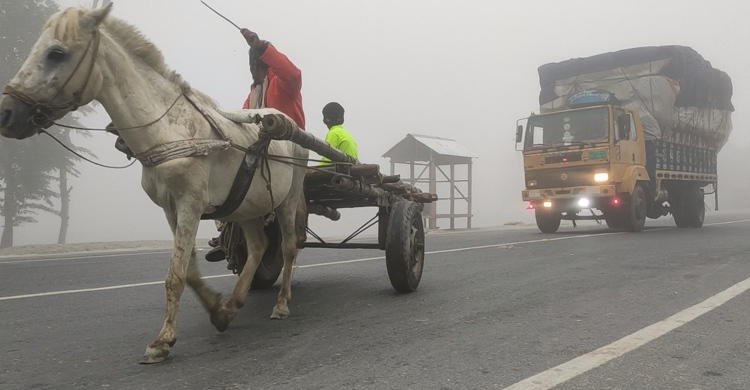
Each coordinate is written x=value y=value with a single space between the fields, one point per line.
x=127 y=128
x=84 y=158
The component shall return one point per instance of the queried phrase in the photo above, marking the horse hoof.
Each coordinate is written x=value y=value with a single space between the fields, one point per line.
x=221 y=319
x=155 y=354
x=279 y=313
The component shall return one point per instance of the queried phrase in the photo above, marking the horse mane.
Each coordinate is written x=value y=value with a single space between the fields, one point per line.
x=66 y=28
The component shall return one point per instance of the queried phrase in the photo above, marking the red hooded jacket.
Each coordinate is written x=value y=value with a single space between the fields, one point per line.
x=284 y=86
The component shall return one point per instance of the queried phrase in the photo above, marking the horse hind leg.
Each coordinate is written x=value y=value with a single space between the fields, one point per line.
x=301 y=218
x=289 y=247
x=256 y=242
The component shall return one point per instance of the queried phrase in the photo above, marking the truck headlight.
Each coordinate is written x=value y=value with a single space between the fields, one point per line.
x=599 y=177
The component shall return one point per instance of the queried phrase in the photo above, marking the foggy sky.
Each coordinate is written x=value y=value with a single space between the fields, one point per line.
x=462 y=70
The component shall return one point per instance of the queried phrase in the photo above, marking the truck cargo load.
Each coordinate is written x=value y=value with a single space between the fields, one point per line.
x=682 y=99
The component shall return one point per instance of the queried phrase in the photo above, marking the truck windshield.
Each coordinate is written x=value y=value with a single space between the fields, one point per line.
x=568 y=128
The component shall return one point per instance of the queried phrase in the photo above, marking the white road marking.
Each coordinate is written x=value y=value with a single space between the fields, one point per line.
x=573 y=368
x=167 y=251
x=132 y=285
x=82 y=255
x=117 y=287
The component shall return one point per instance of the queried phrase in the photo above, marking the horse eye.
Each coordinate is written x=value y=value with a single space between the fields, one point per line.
x=56 y=55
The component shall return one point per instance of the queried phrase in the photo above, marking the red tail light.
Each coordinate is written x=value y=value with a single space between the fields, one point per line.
x=530 y=206
x=616 y=201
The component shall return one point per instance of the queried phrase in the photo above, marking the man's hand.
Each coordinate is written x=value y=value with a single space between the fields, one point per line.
x=252 y=38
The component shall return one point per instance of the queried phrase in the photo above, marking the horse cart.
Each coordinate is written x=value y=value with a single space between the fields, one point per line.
x=346 y=183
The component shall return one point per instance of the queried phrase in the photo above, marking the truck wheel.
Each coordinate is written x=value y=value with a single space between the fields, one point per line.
x=613 y=219
x=634 y=217
x=694 y=208
x=678 y=208
x=546 y=221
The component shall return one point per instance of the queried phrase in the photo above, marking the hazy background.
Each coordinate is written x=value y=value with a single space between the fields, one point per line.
x=463 y=70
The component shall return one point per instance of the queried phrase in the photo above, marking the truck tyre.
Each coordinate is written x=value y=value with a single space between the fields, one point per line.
x=677 y=208
x=547 y=221
x=695 y=210
x=634 y=213
x=687 y=208
x=613 y=219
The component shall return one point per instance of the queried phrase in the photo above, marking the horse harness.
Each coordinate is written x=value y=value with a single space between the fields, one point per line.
x=44 y=115
x=256 y=155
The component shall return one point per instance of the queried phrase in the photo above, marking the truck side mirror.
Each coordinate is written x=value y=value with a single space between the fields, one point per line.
x=623 y=124
x=519 y=133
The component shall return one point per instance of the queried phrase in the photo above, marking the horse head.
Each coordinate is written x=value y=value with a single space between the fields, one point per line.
x=59 y=75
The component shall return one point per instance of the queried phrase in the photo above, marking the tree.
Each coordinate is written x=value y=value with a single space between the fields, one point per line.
x=66 y=167
x=25 y=167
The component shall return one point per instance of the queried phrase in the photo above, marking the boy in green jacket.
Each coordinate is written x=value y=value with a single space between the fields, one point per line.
x=338 y=137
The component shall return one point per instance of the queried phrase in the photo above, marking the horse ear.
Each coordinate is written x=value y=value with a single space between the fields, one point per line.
x=95 y=17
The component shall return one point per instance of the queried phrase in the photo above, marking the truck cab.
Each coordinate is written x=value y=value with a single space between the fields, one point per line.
x=590 y=161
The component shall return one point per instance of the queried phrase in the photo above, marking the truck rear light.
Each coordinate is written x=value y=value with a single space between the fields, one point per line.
x=530 y=206
x=616 y=201
x=547 y=204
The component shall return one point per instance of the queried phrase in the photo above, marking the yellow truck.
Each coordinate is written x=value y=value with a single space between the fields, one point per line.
x=625 y=136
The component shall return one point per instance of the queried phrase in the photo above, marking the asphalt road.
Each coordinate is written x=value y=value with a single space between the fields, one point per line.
x=588 y=308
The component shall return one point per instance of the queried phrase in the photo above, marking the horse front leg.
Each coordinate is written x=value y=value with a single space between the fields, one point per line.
x=210 y=299
x=185 y=224
x=256 y=241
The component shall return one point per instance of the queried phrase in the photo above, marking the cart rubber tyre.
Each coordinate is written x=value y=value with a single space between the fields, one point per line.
x=634 y=215
x=271 y=264
x=546 y=221
x=404 y=246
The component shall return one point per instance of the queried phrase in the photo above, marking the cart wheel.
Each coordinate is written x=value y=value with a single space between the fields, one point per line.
x=272 y=262
x=404 y=246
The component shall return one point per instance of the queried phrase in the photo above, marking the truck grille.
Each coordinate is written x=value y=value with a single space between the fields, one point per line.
x=562 y=157
x=564 y=177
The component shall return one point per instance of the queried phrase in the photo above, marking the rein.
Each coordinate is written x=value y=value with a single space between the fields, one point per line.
x=84 y=158
x=110 y=129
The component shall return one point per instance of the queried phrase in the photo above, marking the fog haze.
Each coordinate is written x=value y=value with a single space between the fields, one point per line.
x=461 y=70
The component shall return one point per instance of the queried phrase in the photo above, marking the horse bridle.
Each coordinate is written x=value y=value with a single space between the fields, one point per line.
x=44 y=114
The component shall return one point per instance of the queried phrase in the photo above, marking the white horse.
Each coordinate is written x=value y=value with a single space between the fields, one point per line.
x=84 y=55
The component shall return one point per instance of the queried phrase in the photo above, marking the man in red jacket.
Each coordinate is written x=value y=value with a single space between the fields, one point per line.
x=277 y=83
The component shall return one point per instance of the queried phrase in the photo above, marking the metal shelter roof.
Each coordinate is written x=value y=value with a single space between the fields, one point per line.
x=415 y=147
